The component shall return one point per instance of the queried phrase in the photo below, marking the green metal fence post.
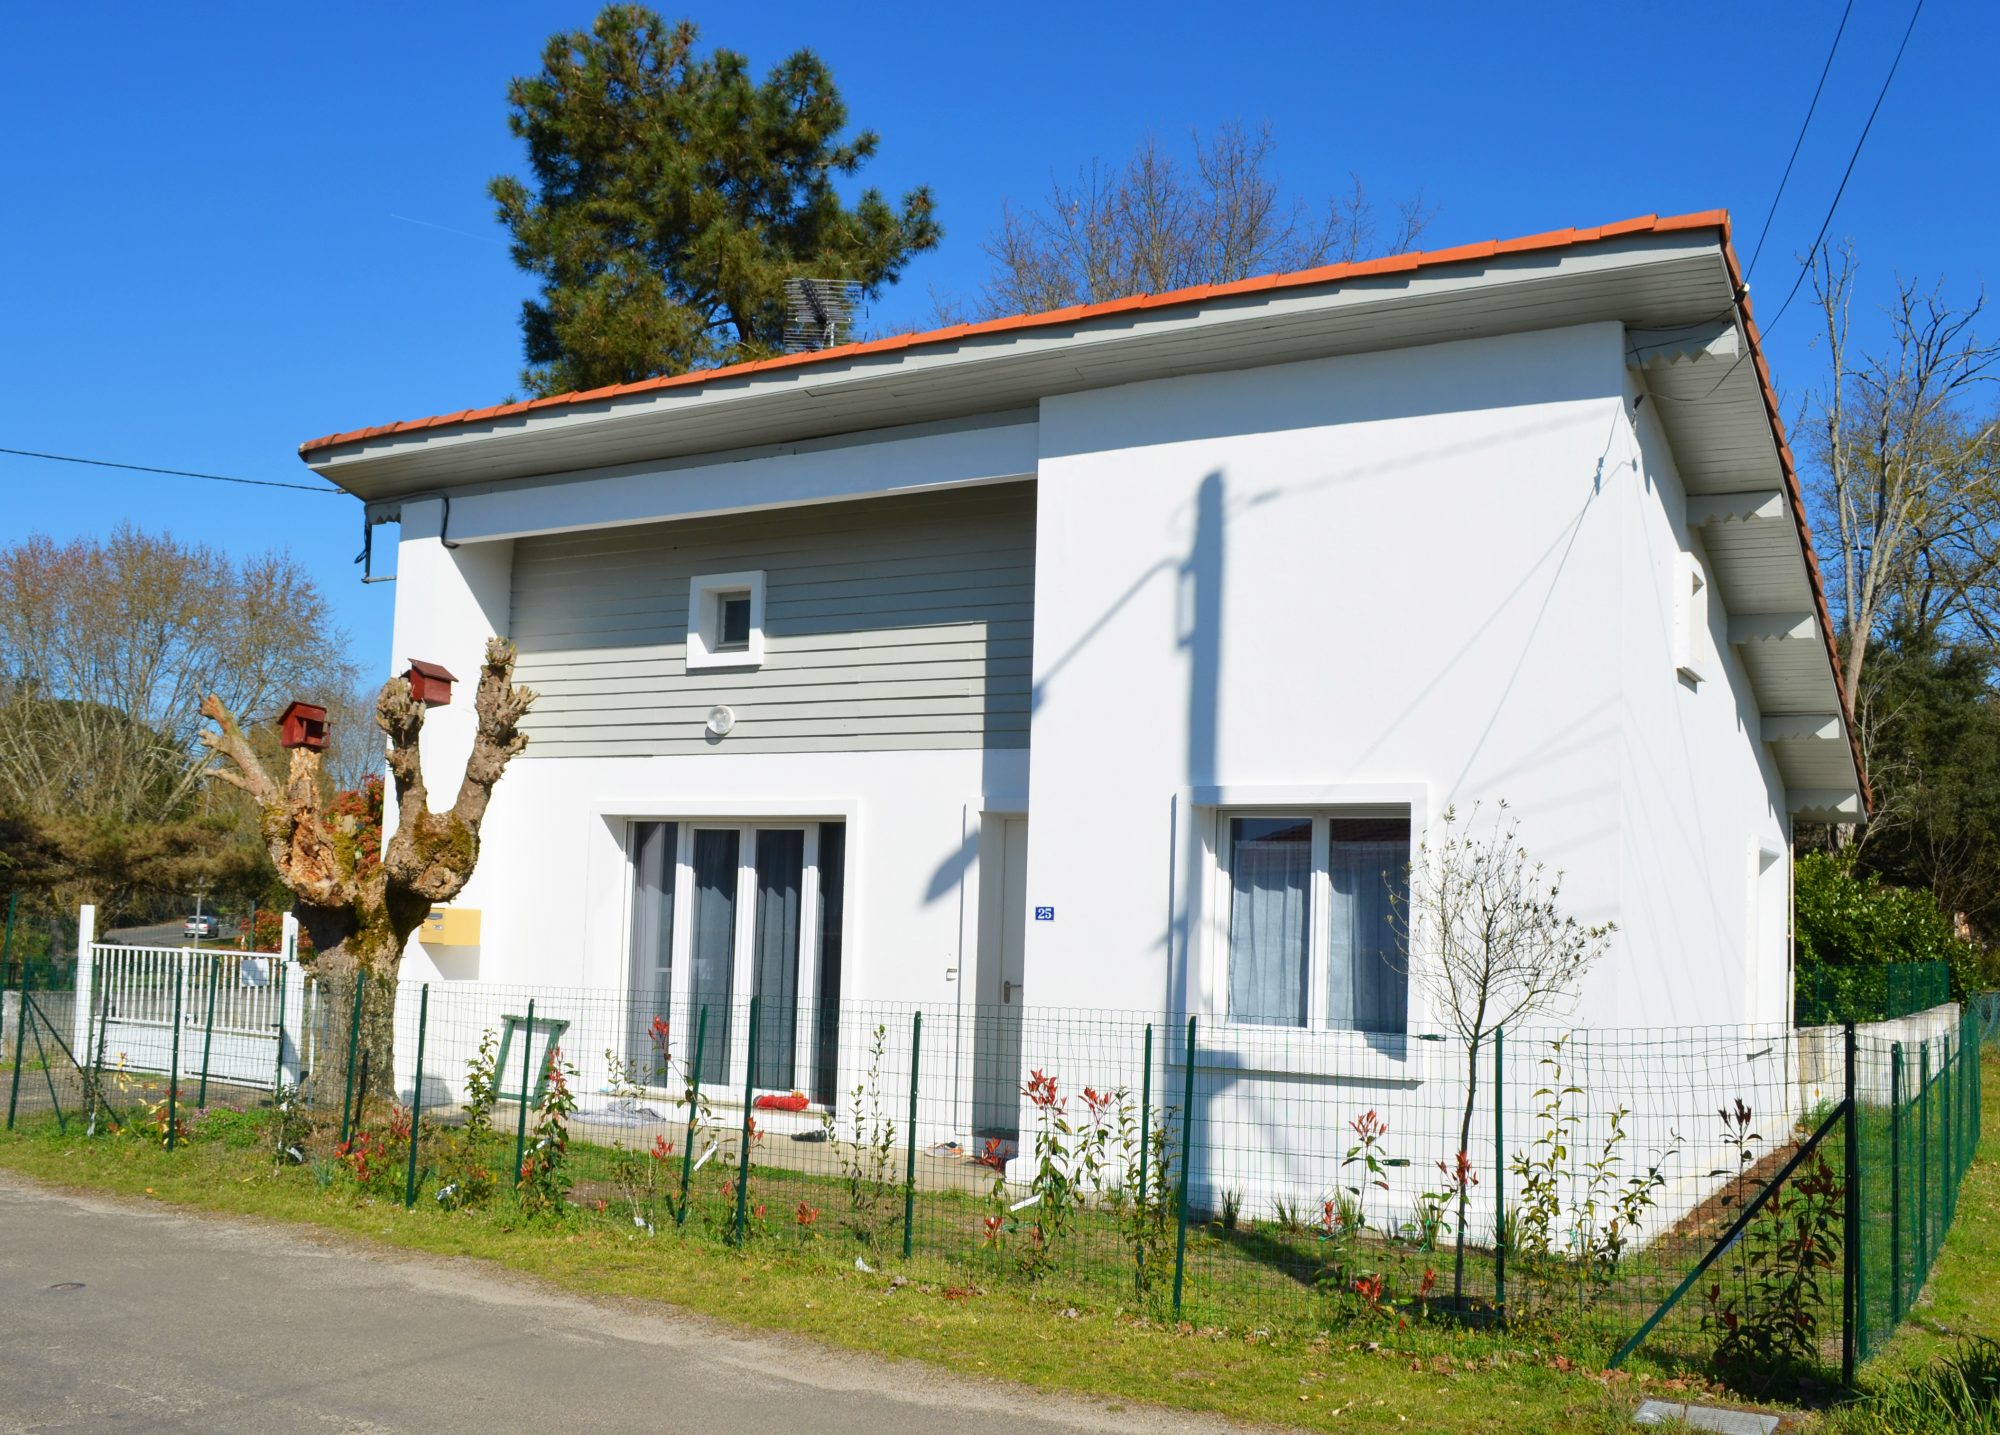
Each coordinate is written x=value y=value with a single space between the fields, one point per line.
x=1946 y=1196
x=1895 y=1184
x=694 y=1106
x=749 y=1099
x=1852 y=1302
x=910 y=1160
x=1145 y=1114
x=208 y=1030
x=20 y=1040
x=1923 y=1166
x=521 y=1123
x=1499 y=1171
x=417 y=1098
x=174 y=1062
x=1187 y=1147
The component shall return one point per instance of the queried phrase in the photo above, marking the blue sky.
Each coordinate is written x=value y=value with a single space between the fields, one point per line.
x=228 y=229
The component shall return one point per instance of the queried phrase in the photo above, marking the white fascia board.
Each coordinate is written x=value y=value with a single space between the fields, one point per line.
x=648 y=493
x=1060 y=350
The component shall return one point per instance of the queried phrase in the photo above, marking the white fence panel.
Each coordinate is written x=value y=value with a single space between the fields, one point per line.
x=241 y=1015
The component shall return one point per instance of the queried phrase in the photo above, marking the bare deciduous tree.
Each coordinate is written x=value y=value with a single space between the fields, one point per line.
x=105 y=648
x=1154 y=224
x=1912 y=484
x=360 y=910
x=1482 y=934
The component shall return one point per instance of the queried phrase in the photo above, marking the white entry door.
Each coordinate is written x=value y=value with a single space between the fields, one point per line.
x=1003 y=911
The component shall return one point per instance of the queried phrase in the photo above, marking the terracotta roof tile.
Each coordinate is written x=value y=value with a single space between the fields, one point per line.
x=1324 y=274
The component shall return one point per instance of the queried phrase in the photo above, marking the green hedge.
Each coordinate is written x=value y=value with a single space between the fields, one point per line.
x=1868 y=950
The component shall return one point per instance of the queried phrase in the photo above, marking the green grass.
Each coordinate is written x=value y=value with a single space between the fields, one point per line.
x=1369 y=1374
x=1261 y=1343
x=1961 y=1299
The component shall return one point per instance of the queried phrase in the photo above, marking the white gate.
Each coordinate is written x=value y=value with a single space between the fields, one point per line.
x=243 y=1016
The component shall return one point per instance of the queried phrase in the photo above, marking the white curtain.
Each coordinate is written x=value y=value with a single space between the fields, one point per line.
x=1366 y=987
x=654 y=864
x=711 y=980
x=1270 y=869
x=781 y=856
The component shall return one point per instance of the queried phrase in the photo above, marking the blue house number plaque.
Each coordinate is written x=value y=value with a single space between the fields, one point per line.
x=1045 y=914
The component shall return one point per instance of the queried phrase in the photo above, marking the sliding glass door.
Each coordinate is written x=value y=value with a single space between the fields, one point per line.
x=763 y=904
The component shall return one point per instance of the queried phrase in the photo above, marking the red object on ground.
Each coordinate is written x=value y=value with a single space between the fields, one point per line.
x=796 y=1101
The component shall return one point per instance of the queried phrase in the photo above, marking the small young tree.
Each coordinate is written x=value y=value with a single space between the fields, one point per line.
x=359 y=905
x=1483 y=936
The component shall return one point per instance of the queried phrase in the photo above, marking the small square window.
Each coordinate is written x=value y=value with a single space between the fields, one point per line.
x=735 y=625
x=726 y=621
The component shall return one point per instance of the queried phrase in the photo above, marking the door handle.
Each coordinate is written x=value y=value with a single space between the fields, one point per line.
x=1007 y=990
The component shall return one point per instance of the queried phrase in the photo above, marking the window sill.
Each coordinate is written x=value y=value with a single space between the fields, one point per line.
x=724 y=660
x=1285 y=1051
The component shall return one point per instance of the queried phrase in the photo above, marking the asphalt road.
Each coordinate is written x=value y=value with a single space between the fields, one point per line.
x=135 y=1318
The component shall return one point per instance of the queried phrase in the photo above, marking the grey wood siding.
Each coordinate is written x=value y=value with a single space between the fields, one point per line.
x=901 y=622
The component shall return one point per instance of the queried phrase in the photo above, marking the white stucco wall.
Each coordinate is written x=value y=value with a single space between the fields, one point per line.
x=1702 y=801
x=1353 y=576
x=1429 y=577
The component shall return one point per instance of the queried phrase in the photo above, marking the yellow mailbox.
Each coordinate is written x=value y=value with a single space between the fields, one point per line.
x=450 y=927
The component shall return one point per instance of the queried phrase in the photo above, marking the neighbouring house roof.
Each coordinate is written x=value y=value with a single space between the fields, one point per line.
x=1673 y=282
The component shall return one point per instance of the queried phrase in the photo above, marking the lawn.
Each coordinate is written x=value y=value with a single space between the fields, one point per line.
x=1962 y=1297
x=1081 y=1328
x=1375 y=1376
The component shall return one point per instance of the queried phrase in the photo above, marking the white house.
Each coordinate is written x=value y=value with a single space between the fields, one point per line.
x=1118 y=657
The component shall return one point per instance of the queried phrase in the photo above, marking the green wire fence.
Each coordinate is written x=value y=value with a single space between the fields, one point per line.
x=1630 y=1189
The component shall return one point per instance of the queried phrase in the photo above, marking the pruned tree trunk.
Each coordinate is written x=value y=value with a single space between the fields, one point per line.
x=360 y=905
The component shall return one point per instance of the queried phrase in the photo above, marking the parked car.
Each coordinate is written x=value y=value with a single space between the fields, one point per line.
x=202 y=924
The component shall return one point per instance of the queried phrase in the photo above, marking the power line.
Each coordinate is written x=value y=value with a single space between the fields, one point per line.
x=173 y=472
x=1812 y=253
x=1799 y=143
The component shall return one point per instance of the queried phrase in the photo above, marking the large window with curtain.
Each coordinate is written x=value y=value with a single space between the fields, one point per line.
x=1307 y=900
x=725 y=911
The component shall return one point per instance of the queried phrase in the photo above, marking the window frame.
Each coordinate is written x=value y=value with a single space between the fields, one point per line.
x=706 y=595
x=1319 y=911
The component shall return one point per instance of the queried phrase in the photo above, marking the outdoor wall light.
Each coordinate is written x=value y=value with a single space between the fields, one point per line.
x=721 y=720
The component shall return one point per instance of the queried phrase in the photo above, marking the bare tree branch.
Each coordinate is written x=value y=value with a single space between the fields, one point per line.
x=1154 y=225
x=1909 y=480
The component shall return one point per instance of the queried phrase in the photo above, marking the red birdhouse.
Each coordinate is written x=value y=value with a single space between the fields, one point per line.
x=303 y=725
x=429 y=683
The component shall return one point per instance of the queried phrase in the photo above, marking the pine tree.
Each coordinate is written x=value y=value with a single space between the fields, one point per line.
x=673 y=196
